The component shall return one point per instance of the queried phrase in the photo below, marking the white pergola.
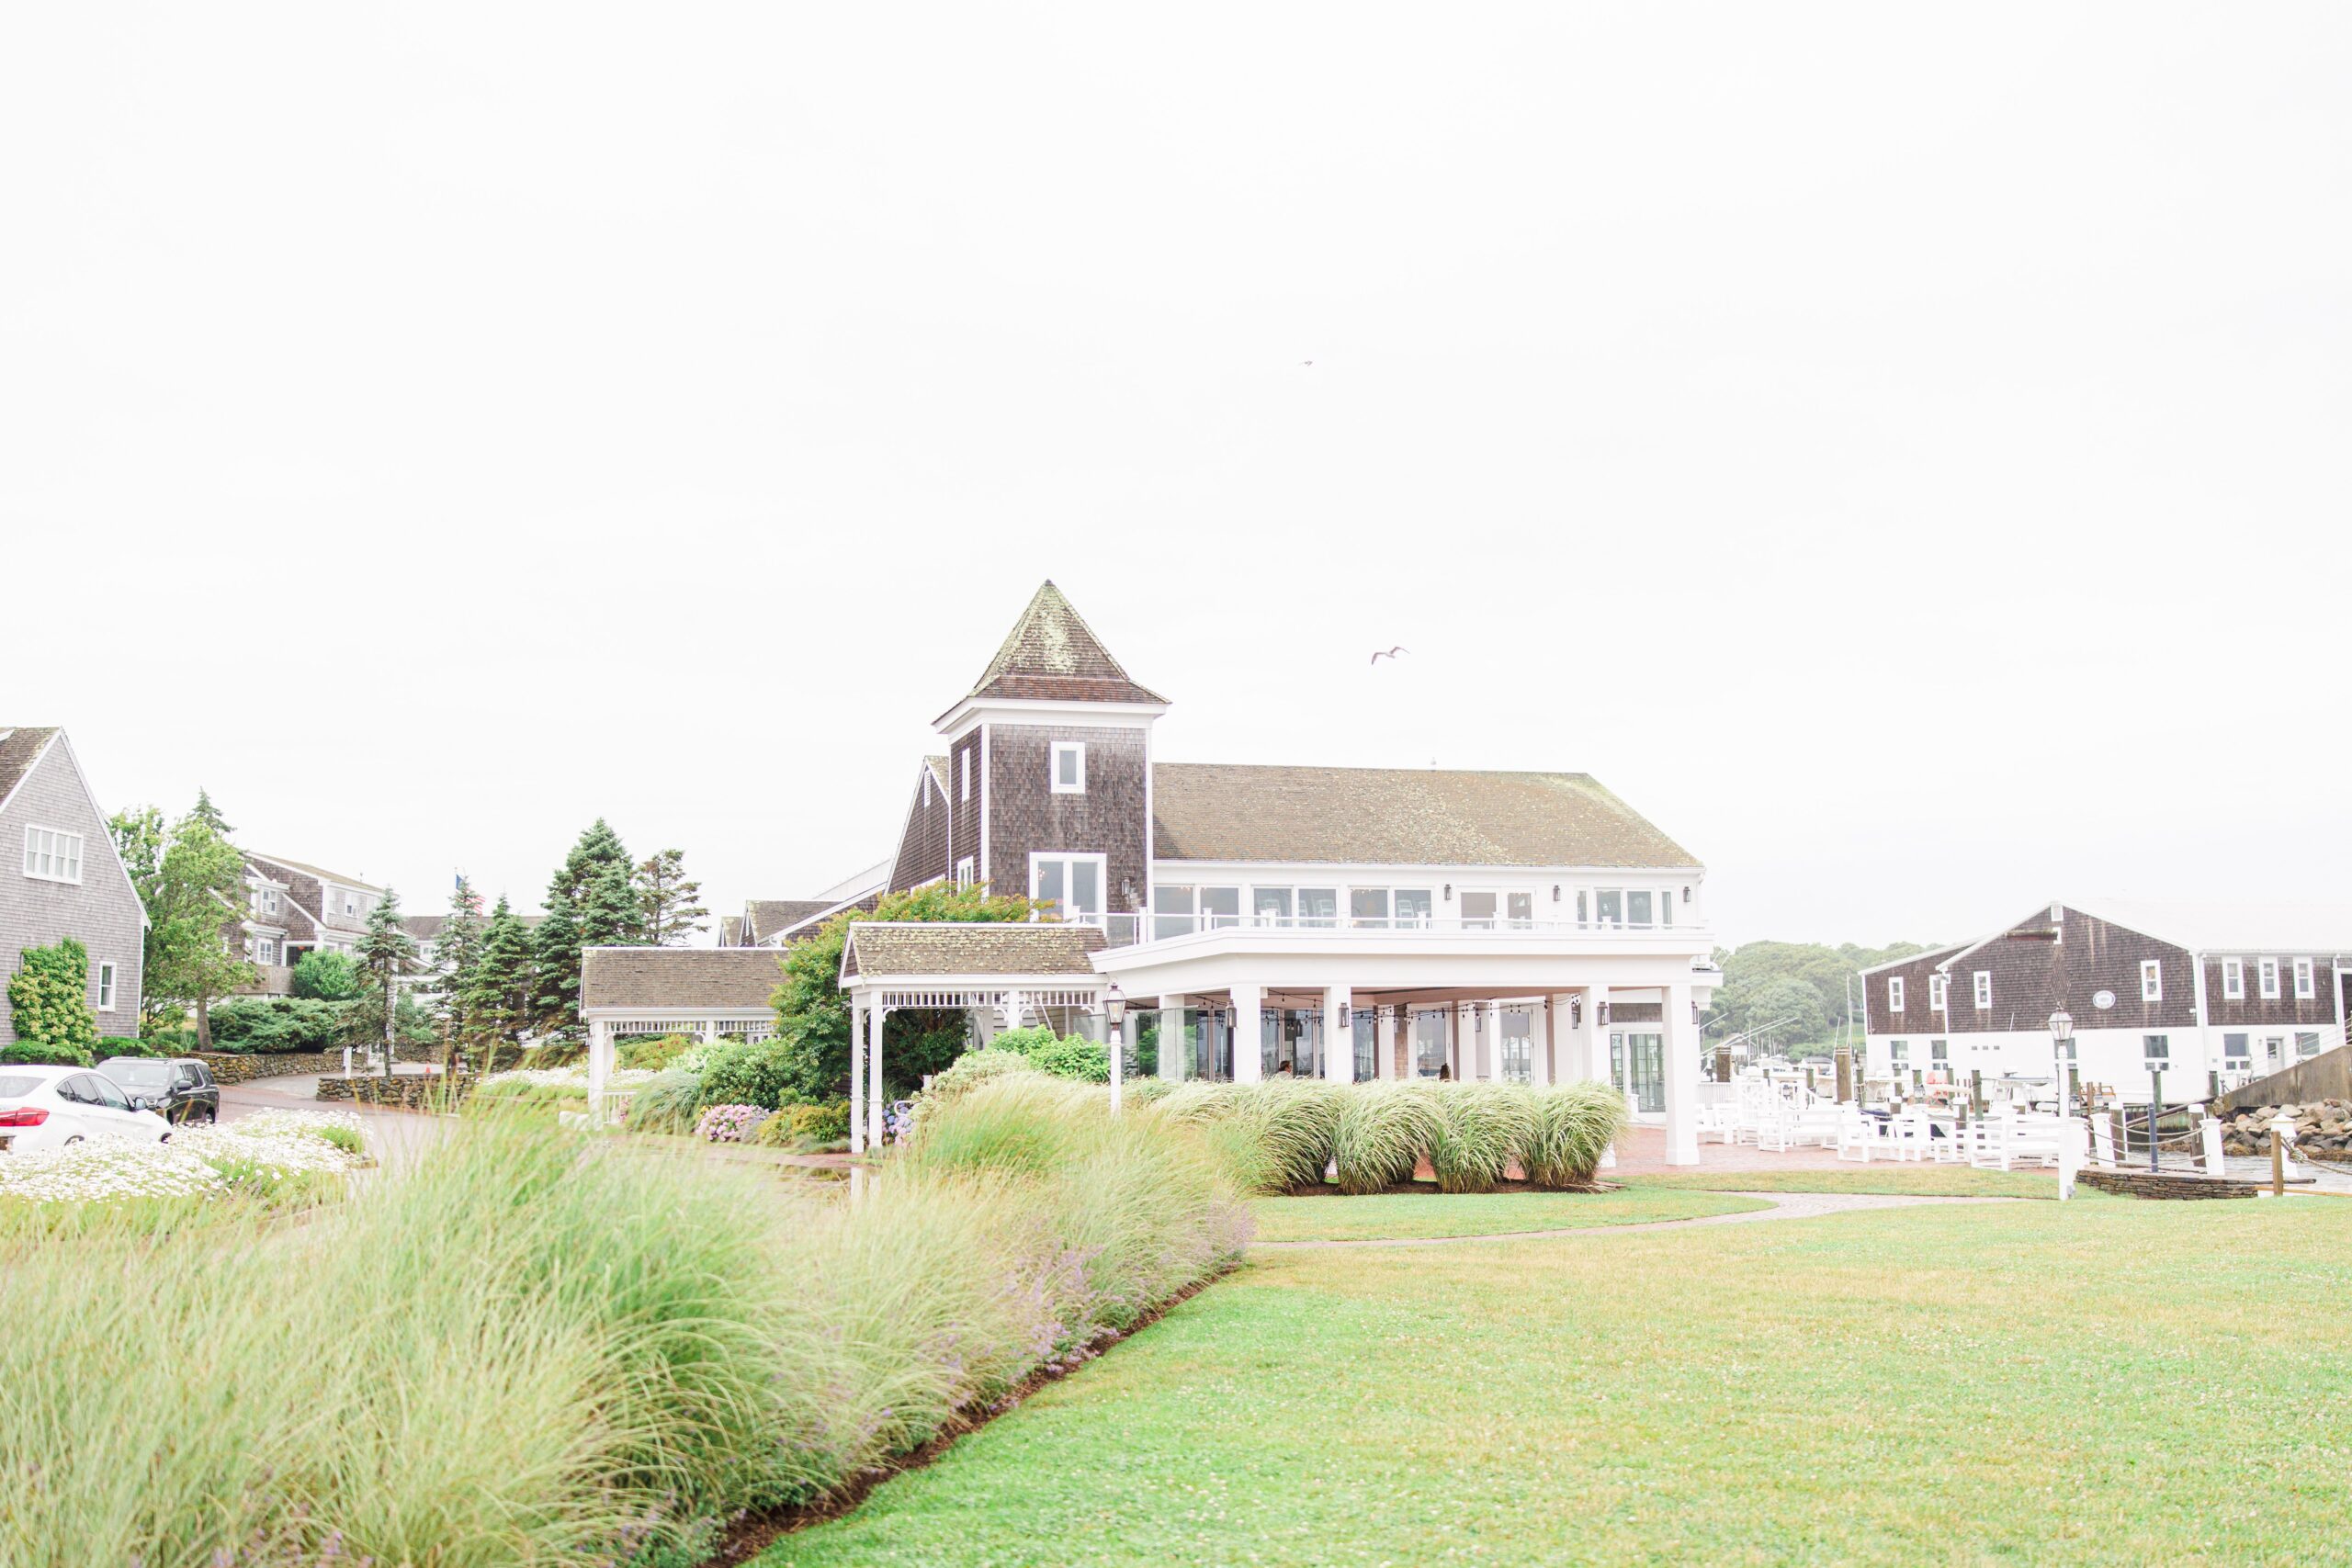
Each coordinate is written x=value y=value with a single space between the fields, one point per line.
x=1005 y=973
x=703 y=992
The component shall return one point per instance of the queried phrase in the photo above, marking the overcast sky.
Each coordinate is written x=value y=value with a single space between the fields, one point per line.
x=1905 y=456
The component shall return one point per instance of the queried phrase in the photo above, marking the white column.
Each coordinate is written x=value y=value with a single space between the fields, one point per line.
x=1574 y=1063
x=600 y=1068
x=1539 y=1031
x=875 y=1018
x=1248 y=1057
x=1172 y=1038
x=1682 y=1078
x=1339 y=1036
x=1596 y=1033
x=856 y=1074
x=1383 y=1045
x=1466 y=1044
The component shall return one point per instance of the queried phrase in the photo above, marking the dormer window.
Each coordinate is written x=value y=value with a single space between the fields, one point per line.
x=1895 y=993
x=1070 y=767
x=2233 y=979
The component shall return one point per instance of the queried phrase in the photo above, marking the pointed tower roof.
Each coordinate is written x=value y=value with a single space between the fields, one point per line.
x=1052 y=655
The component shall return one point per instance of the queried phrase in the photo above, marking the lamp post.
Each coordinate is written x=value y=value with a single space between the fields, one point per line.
x=2061 y=1030
x=1114 y=1018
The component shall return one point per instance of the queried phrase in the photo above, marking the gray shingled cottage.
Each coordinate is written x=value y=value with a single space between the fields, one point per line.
x=68 y=881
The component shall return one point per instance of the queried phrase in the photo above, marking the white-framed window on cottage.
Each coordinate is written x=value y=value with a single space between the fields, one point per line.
x=1413 y=905
x=52 y=855
x=106 y=988
x=2151 y=980
x=2234 y=979
x=967 y=871
x=1070 y=767
x=265 y=950
x=1937 y=986
x=2268 y=968
x=2306 y=983
x=2156 y=1052
x=1898 y=1052
x=1070 y=884
x=2236 y=1052
x=1895 y=993
x=1984 y=982
x=965 y=757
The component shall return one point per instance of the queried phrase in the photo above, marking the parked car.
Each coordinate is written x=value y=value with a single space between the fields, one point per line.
x=179 y=1088
x=47 y=1108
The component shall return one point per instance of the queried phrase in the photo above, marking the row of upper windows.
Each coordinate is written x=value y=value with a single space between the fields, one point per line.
x=2151 y=983
x=52 y=855
x=2155 y=1050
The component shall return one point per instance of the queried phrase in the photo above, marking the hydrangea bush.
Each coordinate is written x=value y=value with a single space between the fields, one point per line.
x=730 y=1124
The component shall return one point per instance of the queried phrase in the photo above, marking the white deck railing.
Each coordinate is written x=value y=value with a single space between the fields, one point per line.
x=1129 y=930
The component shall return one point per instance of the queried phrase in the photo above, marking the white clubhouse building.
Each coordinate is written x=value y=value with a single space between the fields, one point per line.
x=1354 y=924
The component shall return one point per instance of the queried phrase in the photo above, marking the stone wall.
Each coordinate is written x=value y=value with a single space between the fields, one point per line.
x=2146 y=1184
x=403 y=1091
x=2323 y=1129
x=241 y=1066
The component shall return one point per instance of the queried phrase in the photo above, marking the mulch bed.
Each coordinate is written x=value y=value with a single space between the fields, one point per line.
x=754 y=1533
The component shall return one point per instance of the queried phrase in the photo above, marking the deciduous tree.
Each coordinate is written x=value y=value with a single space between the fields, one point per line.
x=192 y=882
x=669 y=903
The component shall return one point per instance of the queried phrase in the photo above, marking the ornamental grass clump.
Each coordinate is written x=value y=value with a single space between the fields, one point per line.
x=1574 y=1125
x=667 y=1102
x=1383 y=1133
x=1294 y=1120
x=1481 y=1130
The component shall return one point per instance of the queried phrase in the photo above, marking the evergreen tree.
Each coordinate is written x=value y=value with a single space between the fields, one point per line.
x=385 y=952
x=209 y=815
x=590 y=899
x=669 y=903
x=500 y=998
x=456 y=956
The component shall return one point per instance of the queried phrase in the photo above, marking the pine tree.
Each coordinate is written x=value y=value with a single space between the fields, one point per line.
x=669 y=903
x=589 y=901
x=500 y=997
x=209 y=815
x=385 y=952
x=456 y=956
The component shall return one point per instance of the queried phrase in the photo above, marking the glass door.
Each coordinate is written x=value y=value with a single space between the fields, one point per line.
x=1637 y=1066
x=1515 y=1038
x=1478 y=911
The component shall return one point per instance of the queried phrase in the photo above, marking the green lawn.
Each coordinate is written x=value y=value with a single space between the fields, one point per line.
x=2109 y=1382
x=1927 y=1180
x=1440 y=1214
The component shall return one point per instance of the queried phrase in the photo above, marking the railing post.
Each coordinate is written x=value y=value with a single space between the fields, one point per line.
x=2155 y=1103
x=2209 y=1131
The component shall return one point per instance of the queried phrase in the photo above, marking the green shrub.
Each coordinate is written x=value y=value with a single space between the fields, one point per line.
x=1384 y=1131
x=132 y=1046
x=666 y=1104
x=49 y=1007
x=261 y=1024
x=1064 y=1057
x=734 y=1073
x=971 y=1070
x=320 y=976
x=661 y=1052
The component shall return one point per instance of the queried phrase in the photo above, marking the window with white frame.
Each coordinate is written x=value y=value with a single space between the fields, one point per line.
x=106 y=988
x=1898 y=1051
x=1939 y=1052
x=1070 y=884
x=2268 y=968
x=265 y=950
x=2151 y=980
x=1895 y=993
x=965 y=757
x=52 y=855
x=1936 y=988
x=1983 y=980
x=966 y=872
x=2306 y=1046
x=2234 y=979
x=1412 y=905
x=1070 y=767
x=2235 y=1050
x=2306 y=984
x=2156 y=1052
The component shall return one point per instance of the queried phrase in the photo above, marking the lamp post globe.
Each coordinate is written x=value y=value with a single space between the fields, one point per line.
x=2062 y=1029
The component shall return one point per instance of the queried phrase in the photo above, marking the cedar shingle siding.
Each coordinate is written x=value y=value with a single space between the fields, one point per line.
x=924 y=846
x=1026 y=815
x=101 y=911
x=2283 y=1011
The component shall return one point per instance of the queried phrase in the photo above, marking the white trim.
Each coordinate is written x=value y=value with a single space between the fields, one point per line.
x=2306 y=981
x=1895 y=993
x=105 y=985
x=958 y=721
x=1070 y=858
x=987 y=870
x=1054 y=784
x=2268 y=970
x=2234 y=979
x=52 y=852
x=967 y=871
x=2152 y=980
x=1939 y=992
x=1980 y=983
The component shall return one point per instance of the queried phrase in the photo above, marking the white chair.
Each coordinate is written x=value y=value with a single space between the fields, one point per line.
x=1854 y=1133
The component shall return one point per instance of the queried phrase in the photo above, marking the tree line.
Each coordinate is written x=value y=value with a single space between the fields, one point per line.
x=1790 y=995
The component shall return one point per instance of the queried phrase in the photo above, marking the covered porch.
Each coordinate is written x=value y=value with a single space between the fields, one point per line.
x=1534 y=1007
x=708 y=993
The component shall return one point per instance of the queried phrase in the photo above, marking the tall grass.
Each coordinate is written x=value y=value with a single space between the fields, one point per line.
x=1384 y=1131
x=532 y=1346
x=1482 y=1128
x=1574 y=1123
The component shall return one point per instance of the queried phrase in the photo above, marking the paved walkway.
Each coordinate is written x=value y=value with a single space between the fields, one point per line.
x=1784 y=1206
x=391 y=1134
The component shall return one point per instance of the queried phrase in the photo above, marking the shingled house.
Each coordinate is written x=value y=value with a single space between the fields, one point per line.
x=2190 y=992
x=69 y=882
x=1351 y=924
x=293 y=908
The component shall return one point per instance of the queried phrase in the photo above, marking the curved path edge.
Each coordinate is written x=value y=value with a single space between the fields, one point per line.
x=1784 y=1206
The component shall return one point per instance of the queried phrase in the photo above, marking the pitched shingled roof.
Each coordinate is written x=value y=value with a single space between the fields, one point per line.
x=1053 y=655
x=717 y=978
x=19 y=750
x=958 y=947
x=765 y=917
x=338 y=878
x=1216 y=811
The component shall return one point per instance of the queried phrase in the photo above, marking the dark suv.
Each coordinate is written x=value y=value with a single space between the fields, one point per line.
x=175 y=1088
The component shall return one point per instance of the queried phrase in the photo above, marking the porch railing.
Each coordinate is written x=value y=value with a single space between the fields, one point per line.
x=1128 y=930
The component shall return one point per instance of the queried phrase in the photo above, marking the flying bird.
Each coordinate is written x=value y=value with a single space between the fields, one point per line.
x=1390 y=654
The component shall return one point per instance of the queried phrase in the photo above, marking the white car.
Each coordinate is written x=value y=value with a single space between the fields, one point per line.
x=47 y=1108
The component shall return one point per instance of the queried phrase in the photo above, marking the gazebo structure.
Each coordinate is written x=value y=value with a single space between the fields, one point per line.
x=1004 y=976
x=706 y=992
